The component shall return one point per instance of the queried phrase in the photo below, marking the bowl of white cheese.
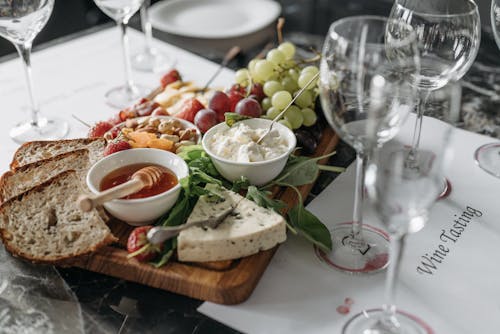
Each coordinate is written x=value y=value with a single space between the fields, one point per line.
x=235 y=152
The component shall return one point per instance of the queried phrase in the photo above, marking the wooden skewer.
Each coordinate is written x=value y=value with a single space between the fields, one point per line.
x=144 y=178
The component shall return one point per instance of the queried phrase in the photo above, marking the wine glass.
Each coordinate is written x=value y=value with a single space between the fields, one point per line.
x=149 y=59
x=488 y=156
x=449 y=33
x=121 y=11
x=20 y=22
x=365 y=86
x=402 y=202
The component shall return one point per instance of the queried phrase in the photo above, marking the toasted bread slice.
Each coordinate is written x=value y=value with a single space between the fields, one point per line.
x=45 y=225
x=41 y=150
x=30 y=175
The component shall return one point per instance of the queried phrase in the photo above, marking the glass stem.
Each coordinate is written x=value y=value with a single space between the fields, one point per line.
x=422 y=100
x=24 y=50
x=146 y=26
x=129 y=84
x=397 y=243
x=357 y=224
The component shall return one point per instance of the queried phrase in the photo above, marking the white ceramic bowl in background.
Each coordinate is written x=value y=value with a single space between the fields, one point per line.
x=139 y=211
x=258 y=173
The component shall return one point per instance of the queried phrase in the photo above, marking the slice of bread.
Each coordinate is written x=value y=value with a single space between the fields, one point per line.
x=40 y=150
x=45 y=225
x=30 y=175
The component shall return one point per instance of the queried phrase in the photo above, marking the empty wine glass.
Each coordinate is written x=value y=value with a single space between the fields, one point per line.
x=20 y=22
x=488 y=156
x=402 y=202
x=149 y=59
x=449 y=33
x=121 y=11
x=366 y=70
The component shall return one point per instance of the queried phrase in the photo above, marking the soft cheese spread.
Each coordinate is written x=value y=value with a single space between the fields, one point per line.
x=239 y=143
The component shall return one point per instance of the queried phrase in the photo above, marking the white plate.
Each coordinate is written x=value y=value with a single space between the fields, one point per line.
x=213 y=19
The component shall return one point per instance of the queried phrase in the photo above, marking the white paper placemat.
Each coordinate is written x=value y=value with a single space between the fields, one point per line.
x=72 y=78
x=300 y=294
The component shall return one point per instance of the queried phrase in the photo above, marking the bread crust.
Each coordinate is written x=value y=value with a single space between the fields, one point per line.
x=14 y=165
x=4 y=234
x=4 y=178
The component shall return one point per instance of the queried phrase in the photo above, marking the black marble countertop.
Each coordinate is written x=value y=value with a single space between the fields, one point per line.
x=96 y=303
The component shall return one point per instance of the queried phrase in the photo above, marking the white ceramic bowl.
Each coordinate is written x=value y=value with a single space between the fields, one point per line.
x=139 y=211
x=258 y=173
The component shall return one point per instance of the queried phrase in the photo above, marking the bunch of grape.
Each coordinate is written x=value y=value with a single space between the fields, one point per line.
x=281 y=78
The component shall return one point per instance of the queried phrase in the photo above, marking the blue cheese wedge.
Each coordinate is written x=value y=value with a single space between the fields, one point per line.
x=246 y=231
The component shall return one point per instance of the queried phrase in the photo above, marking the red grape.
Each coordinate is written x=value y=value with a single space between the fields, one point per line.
x=205 y=119
x=249 y=107
x=220 y=104
x=258 y=91
x=234 y=98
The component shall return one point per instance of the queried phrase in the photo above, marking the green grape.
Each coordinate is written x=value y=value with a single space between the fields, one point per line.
x=294 y=116
x=251 y=64
x=264 y=69
x=305 y=99
x=241 y=76
x=285 y=123
x=272 y=87
x=304 y=78
x=310 y=116
x=281 y=99
x=266 y=103
x=272 y=112
x=294 y=74
x=275 y=56
x=289 y=63
x=289 y=84
x=312 y=69
x=288 y=49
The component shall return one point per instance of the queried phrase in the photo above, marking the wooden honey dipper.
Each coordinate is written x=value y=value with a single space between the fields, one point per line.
x=144 y=178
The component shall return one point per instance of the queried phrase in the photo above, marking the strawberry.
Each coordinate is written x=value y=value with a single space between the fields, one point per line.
x=139 y=247
x=171 y=76
x=190 y=109
x=116 y=146
x=99 y=129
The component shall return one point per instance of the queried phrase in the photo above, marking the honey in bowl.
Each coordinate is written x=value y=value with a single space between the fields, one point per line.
x=123 y=174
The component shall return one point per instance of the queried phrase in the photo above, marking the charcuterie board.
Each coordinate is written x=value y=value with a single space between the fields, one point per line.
x=224 y=282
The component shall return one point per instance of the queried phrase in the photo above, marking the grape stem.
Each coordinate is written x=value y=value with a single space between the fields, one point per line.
x=306 y=86
x=279 y=29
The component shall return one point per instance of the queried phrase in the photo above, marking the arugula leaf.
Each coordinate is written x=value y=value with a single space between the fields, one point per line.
x=232 y=118
x=204 y=164
x=190 y=153
x=242 y=184
x=310 y=227
x=168 y=250
x=300 y=170
x=261 y=198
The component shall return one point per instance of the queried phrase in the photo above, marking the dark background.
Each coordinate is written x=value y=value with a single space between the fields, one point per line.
x=305 y=16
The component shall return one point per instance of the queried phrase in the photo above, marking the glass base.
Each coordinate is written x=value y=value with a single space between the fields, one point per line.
x=445 y=188
x=45 y=129
x=151 y=60
x=368 y=322
x=487 y=158
x=124 y=96
x=355 y=255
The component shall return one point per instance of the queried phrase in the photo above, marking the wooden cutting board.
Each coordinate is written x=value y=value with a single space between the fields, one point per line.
x=224 y=282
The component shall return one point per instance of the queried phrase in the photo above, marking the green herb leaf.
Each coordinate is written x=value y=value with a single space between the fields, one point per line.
x=242 y=184
x=310 y=227
x=232 y=118
x=261 y=198
x=205 y=165
x=168 y=250
x=190 y=153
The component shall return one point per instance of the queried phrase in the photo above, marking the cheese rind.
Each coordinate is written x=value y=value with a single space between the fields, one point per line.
x=246 y=231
